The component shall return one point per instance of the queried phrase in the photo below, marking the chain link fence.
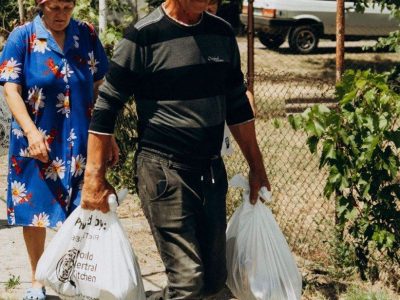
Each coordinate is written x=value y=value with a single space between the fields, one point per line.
x=287 y=84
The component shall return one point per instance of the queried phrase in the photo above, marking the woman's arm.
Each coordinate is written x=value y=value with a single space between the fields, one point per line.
x=38 y=146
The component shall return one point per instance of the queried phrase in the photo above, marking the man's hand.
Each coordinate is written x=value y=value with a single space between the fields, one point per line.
x=95 y=192
x=96 y=189
x=245 y=135
x=257 y=179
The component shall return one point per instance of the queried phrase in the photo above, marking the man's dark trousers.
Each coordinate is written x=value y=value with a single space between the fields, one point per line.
x=184 y=202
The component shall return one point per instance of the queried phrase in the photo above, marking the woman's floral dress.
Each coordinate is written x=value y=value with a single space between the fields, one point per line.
x=57 y=87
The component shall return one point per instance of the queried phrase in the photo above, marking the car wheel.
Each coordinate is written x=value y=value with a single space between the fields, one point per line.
x=270 y=41
x=304 y=39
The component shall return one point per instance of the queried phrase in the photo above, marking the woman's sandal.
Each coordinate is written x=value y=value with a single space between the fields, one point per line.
x=35 y=294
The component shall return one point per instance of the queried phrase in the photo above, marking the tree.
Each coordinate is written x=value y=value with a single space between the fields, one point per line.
x=102 y=16
x=21 y=11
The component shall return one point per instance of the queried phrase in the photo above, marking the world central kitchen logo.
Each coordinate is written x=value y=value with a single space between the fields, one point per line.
x=68 y=267
x=65 y=266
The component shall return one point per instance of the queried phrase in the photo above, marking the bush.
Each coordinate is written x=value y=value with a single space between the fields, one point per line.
x=359 y=144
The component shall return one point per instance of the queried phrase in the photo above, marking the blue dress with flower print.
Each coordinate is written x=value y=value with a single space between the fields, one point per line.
x=57 y=88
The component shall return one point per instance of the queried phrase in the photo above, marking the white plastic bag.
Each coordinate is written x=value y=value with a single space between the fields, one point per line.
x=91 y=257
x=260 y=264
x=226 y=148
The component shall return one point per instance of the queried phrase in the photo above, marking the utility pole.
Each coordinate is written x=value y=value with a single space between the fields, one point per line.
x=340 y=31
x=250 y=47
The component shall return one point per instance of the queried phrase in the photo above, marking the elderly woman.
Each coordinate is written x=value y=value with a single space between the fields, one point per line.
x=51 y=69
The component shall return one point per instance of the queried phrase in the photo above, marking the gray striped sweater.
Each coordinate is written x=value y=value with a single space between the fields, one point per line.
x=186 y=81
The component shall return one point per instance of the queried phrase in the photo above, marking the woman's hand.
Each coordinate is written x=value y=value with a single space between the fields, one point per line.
x=38 y=146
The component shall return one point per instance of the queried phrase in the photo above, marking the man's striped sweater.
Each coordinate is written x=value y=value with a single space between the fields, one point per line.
x=186 y=81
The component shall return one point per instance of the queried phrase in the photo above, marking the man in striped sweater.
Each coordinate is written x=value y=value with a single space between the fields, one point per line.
x=182 y=65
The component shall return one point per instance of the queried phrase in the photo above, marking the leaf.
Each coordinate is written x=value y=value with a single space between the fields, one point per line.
x=394 y=136
x=319 y=129
x=383 y=122
x=328 y=152
x=312 y=143
x=370 y=145
x=323 y=109
x=344 y=184
x=343 y=136
x=369 y=123
x=393 y=166
x=352 y=214
x=371 y=96
x=366 y=190
x=349 y=97
x=276 y=123
x=328 y=190
x=334 y=175
x=296 y=121
x=361 y=83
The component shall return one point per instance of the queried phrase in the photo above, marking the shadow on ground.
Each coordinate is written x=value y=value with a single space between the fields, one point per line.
x=4 y=224
x=225 y=294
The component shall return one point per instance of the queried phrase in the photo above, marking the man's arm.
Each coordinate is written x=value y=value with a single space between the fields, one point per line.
x=253 y=105
x=245 y=135
x=120 y=82
x=96 y=188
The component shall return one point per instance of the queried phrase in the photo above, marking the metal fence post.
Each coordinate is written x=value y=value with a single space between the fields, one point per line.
x=340 y=31
x=250 y=47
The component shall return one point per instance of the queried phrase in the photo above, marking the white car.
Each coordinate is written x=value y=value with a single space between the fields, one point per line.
x=304 y=22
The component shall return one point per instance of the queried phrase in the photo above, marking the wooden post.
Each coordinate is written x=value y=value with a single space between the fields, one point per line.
x=340 y=31
x=21 y=12
x=250 y=47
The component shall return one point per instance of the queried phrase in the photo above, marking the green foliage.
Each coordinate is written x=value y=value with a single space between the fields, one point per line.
x=9 y=17
x=120 y=15
x=359 y=144
x=392 y=42
x=122 y=175
x=12 y=282
x=357 y=293
x=342 y=256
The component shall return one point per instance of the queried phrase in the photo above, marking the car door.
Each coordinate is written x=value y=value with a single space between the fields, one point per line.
x=373 y=22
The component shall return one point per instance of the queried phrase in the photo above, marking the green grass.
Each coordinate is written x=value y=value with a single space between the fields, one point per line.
x=12 y=282
x=356 y=293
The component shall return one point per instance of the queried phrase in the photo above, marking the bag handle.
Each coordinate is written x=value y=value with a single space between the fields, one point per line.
x=242 y=182
x=115 y=200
